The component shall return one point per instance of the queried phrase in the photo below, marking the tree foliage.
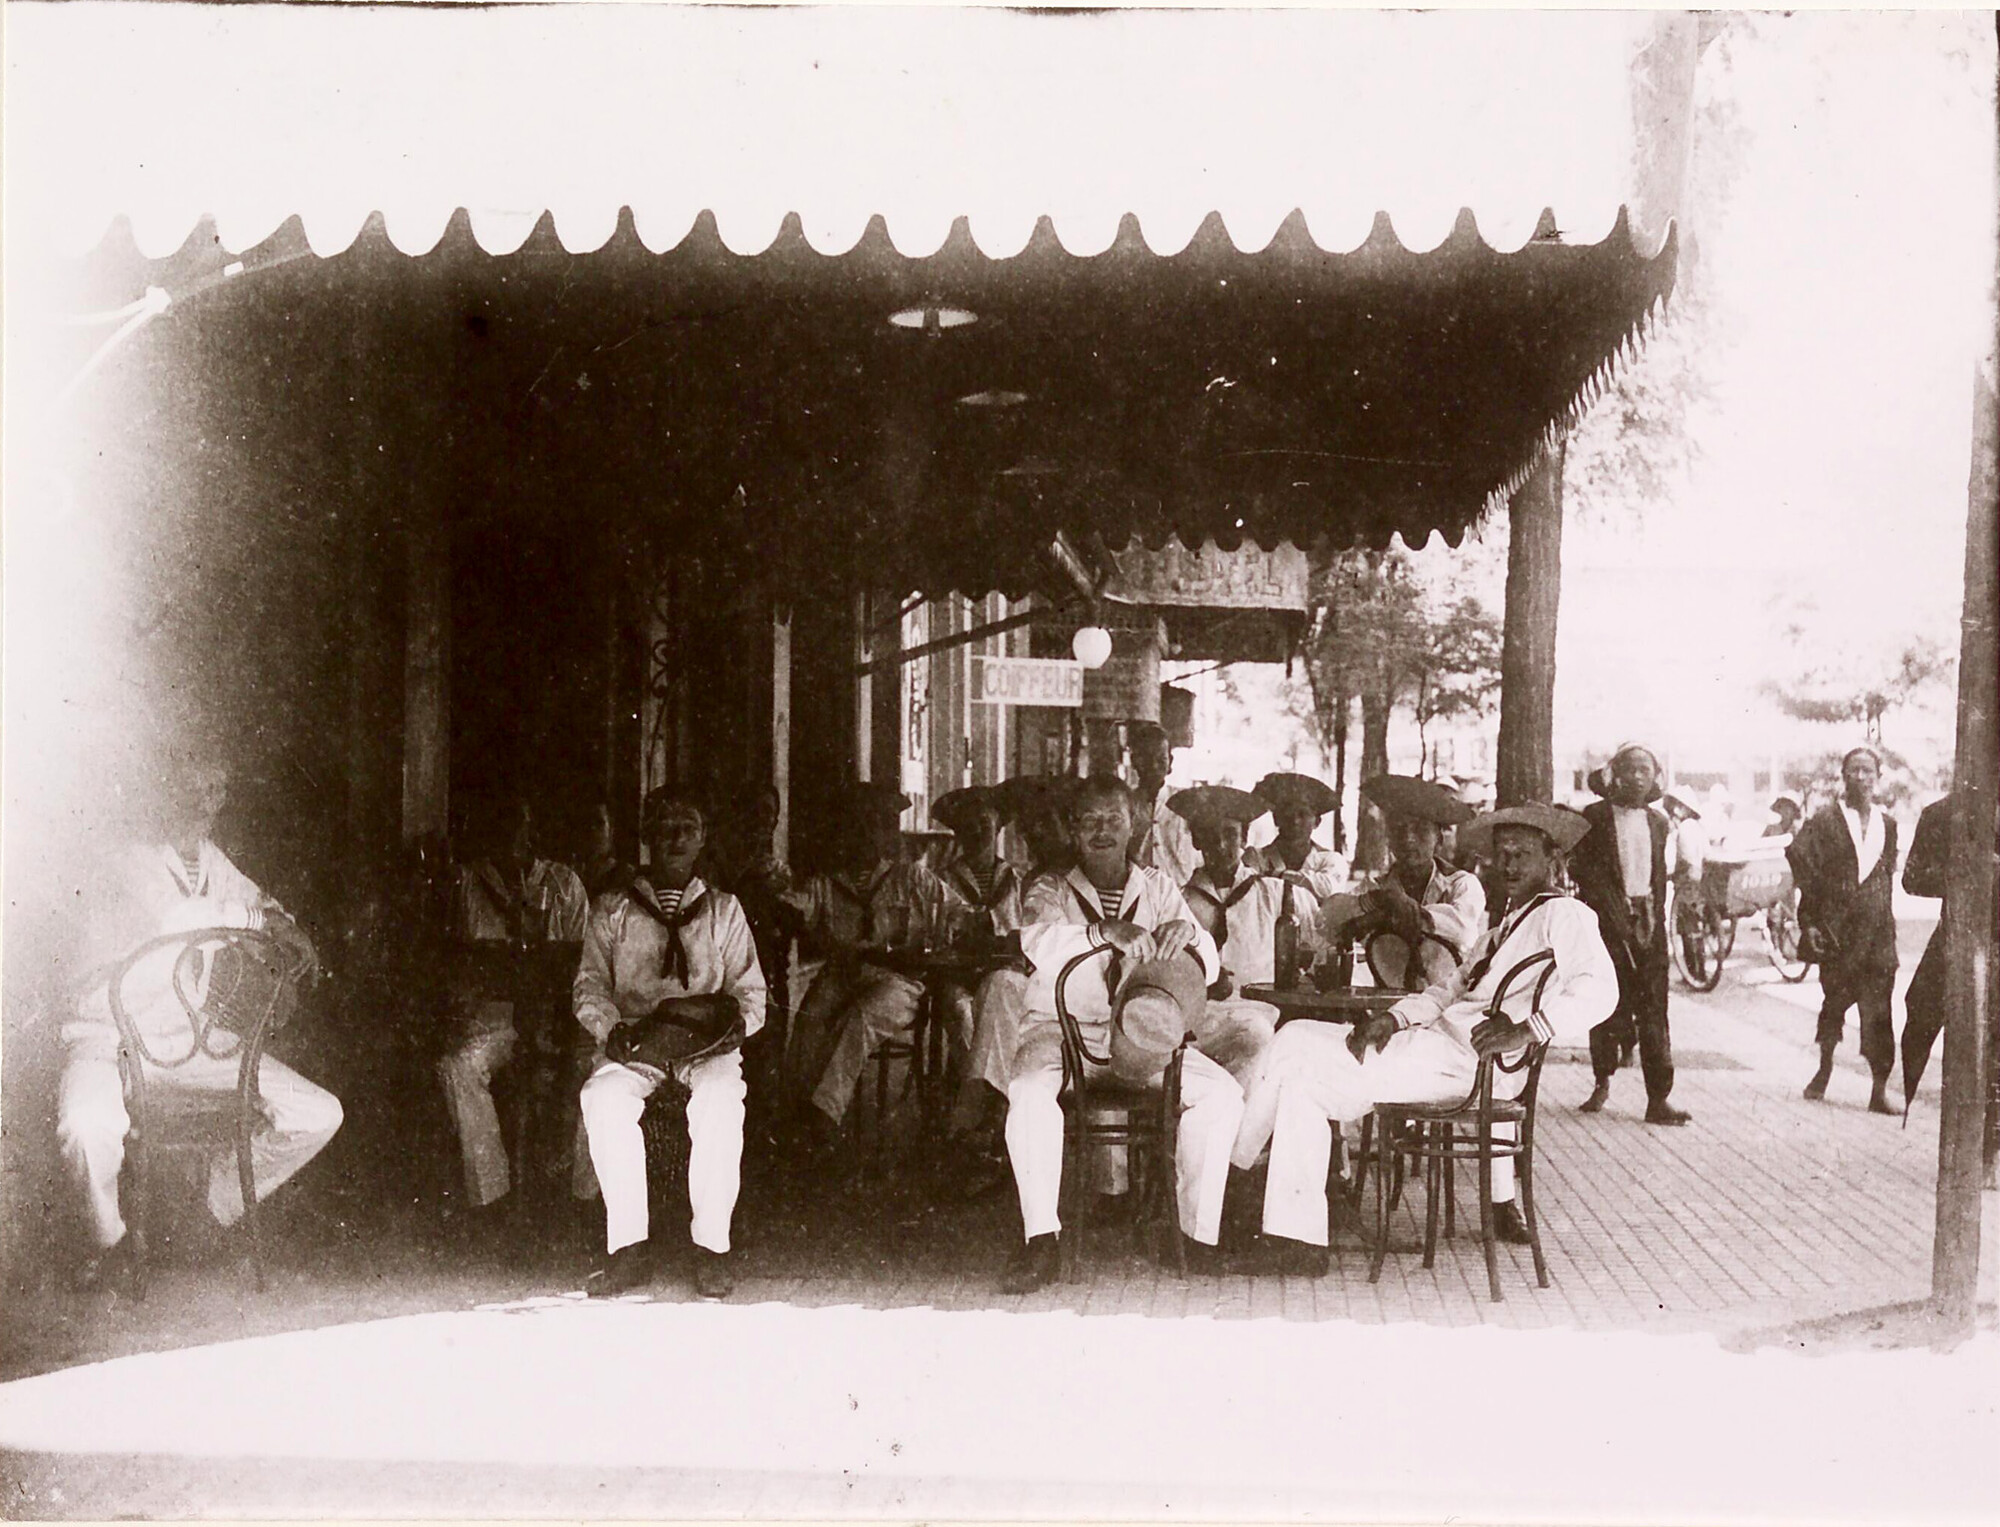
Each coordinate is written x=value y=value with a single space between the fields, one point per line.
x=1842 y=684
x=1384 y=636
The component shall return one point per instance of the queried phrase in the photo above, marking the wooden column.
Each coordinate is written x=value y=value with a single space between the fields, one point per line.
x=1969 y=887
x=1525 y=766
x=426 y=673
x=781 y=726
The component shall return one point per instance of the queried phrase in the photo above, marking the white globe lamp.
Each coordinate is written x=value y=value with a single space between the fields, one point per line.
x=1092 y=646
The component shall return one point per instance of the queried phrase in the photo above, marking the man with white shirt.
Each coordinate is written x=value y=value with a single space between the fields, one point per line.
x=178 y=883
x=1420 y=906
x=1160 y=840
x=1427 y=1048
x=1844 y=860
x=1138 y=912
x=647 y=950
x=1620 y=870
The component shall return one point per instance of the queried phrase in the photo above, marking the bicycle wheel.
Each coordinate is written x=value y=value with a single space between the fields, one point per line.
x=1697 y=948
x=1728 y=937
x=1781 y=942
x=1705 y=953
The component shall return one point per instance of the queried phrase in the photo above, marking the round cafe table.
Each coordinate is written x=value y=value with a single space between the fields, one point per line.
x=1347 y=1004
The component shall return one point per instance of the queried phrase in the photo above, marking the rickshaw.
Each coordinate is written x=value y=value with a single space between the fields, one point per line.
x=1737 y=884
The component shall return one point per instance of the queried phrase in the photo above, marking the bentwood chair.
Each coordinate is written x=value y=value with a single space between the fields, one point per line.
x=234 y=987
x=1438 y=1136
x=1380 y=954
x=1101 y=1111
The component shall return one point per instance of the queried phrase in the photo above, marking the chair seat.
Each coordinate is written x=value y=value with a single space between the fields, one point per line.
x=1112 y=1095
x=1505 y=1111
x=177 y=1119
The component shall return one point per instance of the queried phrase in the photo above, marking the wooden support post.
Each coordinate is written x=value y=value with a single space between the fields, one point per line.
x=426 y=674
x=1525 y=766
x=781 y=728
x=1969 y=875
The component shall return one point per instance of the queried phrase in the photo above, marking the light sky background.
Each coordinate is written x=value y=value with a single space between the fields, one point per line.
x=1849 y=265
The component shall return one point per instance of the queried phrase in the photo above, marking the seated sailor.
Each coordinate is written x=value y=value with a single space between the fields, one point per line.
x=1427 y=1049
x=176 y=880
x=1420 y=902
x=1298 y=802
x=1142 y=915
x=506 y=891
x=1240 y=909
x=667 y=949
x=884 y=899
x=986 y=1022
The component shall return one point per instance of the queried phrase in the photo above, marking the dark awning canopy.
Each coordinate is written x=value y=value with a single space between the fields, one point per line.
x=768 y=402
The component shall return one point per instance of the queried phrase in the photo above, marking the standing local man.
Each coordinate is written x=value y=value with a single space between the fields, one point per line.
x=179 y=882
x=649 y=949
x=1105 y=899
x=1844 y=860
x=1298 y=802
x=1427 y=1048
x=1420 y=903
x=1620 y=869
x=508 y=892
x=1161 y=841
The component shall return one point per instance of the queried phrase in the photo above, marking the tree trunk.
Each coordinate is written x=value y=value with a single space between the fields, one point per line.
x=1341 y=768
x=1371 y=852
x=1525 y=768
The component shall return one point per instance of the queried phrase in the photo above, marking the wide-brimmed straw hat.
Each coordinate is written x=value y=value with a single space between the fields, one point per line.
x=1561 y=826
x=867 y=797
x=1025 y=794
x=956 y=809
x=1296 y=792
x=1216 y=803
x=1404 y=795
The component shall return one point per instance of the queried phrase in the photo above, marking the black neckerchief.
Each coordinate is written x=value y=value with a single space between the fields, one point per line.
x=1114 y=968
x=864 y=895
x=643 y=896
x=1223 y=902
x=1504 y=932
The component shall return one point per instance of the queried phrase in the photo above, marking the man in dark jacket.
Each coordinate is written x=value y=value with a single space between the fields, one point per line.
x=1620 y=869
x=1844 y=860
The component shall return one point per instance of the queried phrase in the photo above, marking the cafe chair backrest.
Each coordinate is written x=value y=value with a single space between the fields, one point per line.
x=233 y=986
x=1390 y=959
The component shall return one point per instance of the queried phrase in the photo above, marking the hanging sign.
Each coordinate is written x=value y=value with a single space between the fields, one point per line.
x=1027 y=681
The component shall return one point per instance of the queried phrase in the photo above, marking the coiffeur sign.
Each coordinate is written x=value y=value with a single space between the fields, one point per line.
x=1027 y=681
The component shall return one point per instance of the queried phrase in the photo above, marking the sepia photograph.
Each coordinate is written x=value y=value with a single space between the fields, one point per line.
x=977 y=763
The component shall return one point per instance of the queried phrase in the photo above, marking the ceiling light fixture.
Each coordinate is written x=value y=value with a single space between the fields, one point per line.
x=932 y=318
x=994 y=397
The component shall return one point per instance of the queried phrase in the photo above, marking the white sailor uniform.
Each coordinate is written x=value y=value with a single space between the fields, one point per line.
x=1062 y=913
x=153 y=891
x=628 y=967
x=1311 y=1079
